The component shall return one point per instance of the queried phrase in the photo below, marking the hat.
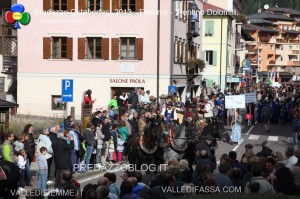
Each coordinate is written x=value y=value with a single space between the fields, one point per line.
x=146 y=193
x=206 y=97
x=208 y=137
x=249 y=146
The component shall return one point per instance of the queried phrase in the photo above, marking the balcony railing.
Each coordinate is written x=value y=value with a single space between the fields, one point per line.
x=264 y=38
x=10 y=65
x=10 y=54
x=293 y=63
x=281 y=40
x=294 y=41
x=272 y=62
x=295 y=52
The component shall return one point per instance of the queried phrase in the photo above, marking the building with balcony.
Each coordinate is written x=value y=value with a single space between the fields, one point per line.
x=221 y=38
x=276 y=41
x=106 y=46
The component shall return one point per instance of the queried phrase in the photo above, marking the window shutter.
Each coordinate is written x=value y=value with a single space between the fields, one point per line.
x=81 y=48
x=214 y=58
x=105 y=48
x=139 y=49
x=115 y=5
x=209 y=28
x=115 y=48
x=195 y=52
x=182 y=52
x=186 y=52
x=139 y=5
x=105 y=5
x=0 y=45
x=203 y=56
x=82 y=5
x=46 y=47
x=71 y=5
x=175 y=51
x=70 y=48
x=46 y=5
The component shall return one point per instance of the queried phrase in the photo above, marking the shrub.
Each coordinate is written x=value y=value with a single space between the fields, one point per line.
x=17 y=124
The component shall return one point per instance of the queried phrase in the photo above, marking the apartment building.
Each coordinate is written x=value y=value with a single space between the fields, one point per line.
x=221 y=37
x=276 y=42
x=103 y=45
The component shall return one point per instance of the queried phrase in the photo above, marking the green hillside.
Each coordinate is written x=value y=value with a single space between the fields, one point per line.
x=251 y=6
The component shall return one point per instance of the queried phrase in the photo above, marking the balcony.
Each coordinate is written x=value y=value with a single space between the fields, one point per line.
x=264 y=38
x=295 y=52
x=193 y=26
x=293 y=63
x=10 y=55
x=272 y=62
x=281 y=40
x=294 y=41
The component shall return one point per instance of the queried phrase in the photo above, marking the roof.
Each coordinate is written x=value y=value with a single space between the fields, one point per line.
x=7 y=104
x=269 y=15
x=247 y=28
x=262 y=29
x=291 y=31
x=208 y=6
x=260 y=21
x=286 y=10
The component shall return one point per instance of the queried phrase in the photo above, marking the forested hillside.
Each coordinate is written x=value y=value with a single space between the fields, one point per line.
x=251 y=6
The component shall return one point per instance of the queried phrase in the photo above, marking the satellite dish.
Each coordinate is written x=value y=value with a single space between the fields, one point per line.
x=266 y=7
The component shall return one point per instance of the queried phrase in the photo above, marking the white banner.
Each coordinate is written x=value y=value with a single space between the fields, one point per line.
x=235 y=101
x=250 y=98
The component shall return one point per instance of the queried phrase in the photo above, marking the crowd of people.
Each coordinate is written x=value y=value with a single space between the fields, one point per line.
x=62 y=150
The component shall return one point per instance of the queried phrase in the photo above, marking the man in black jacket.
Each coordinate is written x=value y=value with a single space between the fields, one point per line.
x=97 y=119
x=107 y=137
x=90 y=143
x=134 y=124
x=62 y=156
x=133 y=99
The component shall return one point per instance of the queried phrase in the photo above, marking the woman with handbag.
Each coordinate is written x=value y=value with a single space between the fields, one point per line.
x=236 y=128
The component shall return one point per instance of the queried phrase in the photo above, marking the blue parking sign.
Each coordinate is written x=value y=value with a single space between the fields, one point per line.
x=67 y=90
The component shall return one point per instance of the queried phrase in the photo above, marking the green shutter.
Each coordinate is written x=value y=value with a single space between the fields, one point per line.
x=209 y=28
x=203 y=56
x=214 y=58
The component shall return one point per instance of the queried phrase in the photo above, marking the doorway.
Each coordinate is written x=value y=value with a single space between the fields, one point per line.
x=120 y=90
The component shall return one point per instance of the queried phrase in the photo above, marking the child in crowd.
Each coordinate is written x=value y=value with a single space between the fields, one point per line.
x=248 y=117
x=120 y=148
x=82 y=154
x=111 y=150
x=19 y=144
x=22 y=160
x=43 y=169
x=112 y=114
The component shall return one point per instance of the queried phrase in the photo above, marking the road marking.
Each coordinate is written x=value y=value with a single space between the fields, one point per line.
x=253 y=137
x=250 y=130
x=273 y=138
x=237 y=146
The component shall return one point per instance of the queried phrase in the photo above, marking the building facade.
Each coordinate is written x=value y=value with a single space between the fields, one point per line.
x=106 y=46
x=221 y=44
x=276 y=42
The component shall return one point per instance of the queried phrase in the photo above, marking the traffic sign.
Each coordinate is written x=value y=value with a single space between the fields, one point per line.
x=172 y=89
x=67 y=90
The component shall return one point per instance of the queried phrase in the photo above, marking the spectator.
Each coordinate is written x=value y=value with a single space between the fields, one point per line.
x=99 y=140
x=22 y=160
x=114 y=102
x=236 y=164
x=44 y=141
x=126 y=190
x=134 y=123
x=185 y=173
x=253 y=187
x=120 y=148
x=96 y=121
x=265 y=186
x=30 y=151
x=90 y=143
x=285 y=182
x=113 y=188
x=103 y=181
x=67 y=186
x=139 y=177
x=292 y=159
x=27 y=148
x=62 y=155
x=88 y=98
x=146 y=193
x=105 y=146
x=8 y=149
x=68 y=122
x=136 y=187
x=43 y=169
x=266 y=151
x=103 y=192
x=222 y=179
x=75 y=151
x=19 y=144
x=271 y=170
x=90 y=194
x=236 y=178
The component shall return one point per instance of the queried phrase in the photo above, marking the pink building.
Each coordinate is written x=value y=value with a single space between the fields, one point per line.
x=103 y=45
